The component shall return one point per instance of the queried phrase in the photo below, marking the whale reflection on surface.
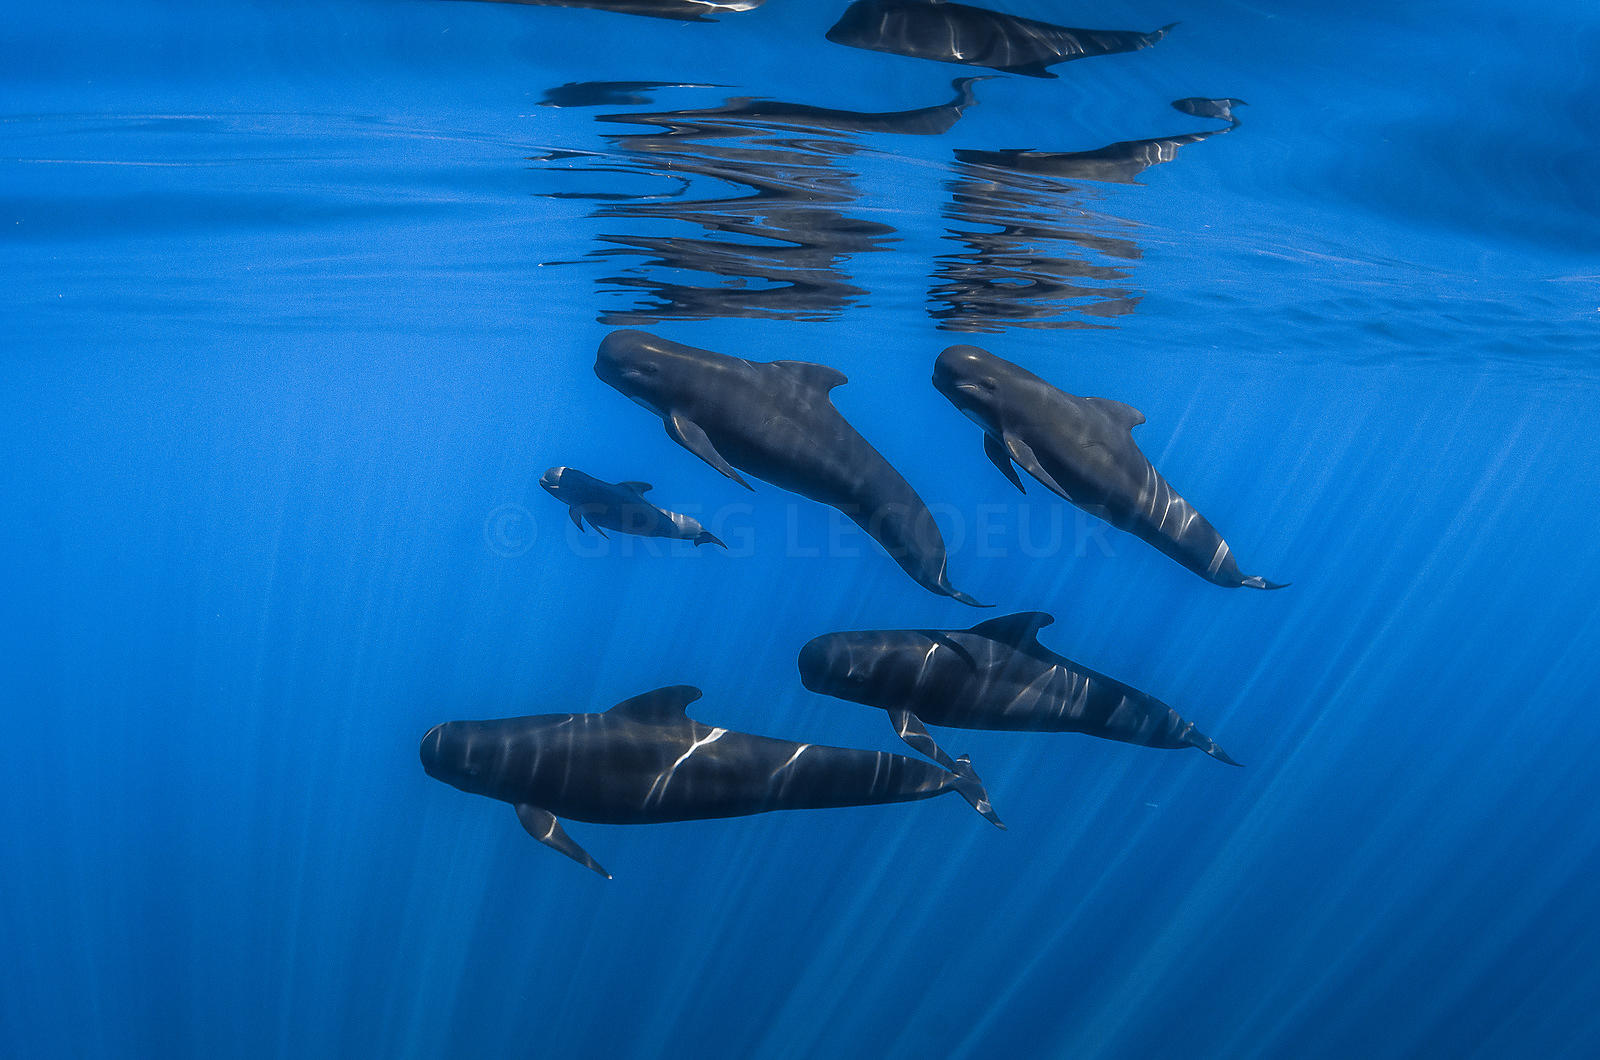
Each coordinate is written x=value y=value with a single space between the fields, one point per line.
x=976 y=36
x=748 y=112
x=1009 y=276
x=1118 y=163
x=609 y=93
x=678 y=10
x=747 y=209
x=755 y=224
x=1048 y=262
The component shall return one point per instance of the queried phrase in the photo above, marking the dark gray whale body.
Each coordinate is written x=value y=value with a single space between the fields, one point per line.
x=776 y=421
x=1082 y=450
x=995 y=675
x=959 y=33
x=619 y=506
x=645 y=761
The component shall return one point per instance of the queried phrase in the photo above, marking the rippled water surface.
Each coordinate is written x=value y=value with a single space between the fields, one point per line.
x=300 y=300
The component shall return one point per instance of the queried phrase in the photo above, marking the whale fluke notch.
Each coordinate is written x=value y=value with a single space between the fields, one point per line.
x=543 y=826
x=663 y=704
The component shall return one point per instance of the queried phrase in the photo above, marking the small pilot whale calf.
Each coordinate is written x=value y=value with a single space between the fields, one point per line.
x=645 y=761
x=1082 y=450
x=976 y=36
x=776 y=421
x=619 y=506
x=995 y=675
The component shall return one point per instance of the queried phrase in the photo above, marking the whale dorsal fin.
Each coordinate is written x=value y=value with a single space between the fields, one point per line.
x=819 y=376
x=1122 y=415
x=1017 y=630
x=664 y=704
x=637 y=487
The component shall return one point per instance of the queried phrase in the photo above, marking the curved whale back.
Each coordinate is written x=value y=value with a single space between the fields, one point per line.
x=776 y=421
x=1082 y=449
x=994 y=676
x=646 y=761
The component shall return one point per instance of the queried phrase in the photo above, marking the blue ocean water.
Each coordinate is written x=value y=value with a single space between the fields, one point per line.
x=300 y=299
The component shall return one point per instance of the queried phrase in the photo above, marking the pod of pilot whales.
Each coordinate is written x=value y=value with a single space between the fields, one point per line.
x=645 y=761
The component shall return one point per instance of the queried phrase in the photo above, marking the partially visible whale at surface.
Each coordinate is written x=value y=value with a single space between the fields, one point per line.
x=995 y=675
x=677 y=10
x=645 y=761
x=1118 y=163
x=747 y=111
x=1202 y=107
x=620 y=506
x=976 y=36
x=1082 y=450
x=776 y=421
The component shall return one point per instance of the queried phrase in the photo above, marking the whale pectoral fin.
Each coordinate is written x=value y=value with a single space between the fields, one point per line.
x=543 y=826
x=1019 y=451
x=577 y=519
x=910 y=729
x=688 y=434
x=996 y=451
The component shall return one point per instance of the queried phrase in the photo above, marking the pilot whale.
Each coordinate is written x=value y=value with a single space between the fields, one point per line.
x=776 y=421
x=995 y=675
x=619 y=506
x=645 y=761
x=1082 y=450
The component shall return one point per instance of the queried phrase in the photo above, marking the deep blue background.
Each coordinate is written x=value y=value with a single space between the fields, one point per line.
x=289 y=329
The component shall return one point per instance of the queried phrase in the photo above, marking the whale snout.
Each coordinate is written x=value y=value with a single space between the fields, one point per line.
x=814 y=659
x=958 y=365
x=551 y=480
x=431 y=750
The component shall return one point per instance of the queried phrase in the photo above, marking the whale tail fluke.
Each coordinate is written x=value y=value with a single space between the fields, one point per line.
x=944 y=588
x=1255 y=581
x=706 y=537
x=1209 y=746
x=971 y=789
x=962 y=598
